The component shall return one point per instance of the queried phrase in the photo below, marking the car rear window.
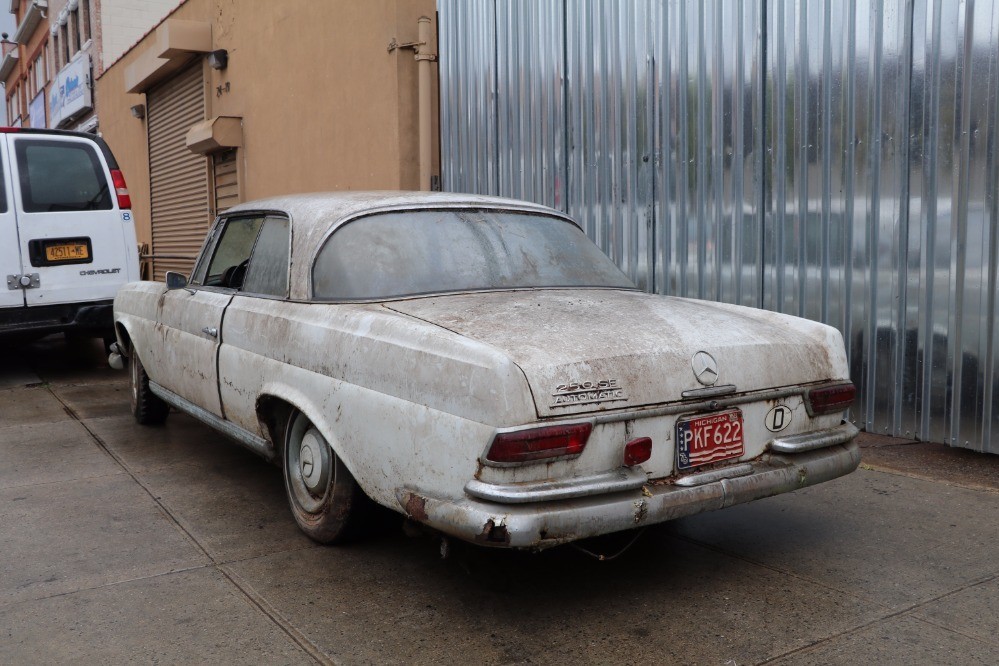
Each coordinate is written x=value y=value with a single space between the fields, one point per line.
x=391 y=255
x=61 y=176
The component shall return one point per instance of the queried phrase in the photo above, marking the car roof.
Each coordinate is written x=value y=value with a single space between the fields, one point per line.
x=315 y=216
x=330 y=209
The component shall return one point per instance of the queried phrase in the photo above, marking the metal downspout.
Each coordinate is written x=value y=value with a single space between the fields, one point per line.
x=424 y=56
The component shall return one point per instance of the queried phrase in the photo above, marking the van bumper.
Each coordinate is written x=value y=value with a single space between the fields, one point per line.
x=94 y=317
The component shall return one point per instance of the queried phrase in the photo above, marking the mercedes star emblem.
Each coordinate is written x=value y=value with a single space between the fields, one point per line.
x=705 y=368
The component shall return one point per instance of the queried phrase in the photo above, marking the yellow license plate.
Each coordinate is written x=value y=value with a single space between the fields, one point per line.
x=67 y=252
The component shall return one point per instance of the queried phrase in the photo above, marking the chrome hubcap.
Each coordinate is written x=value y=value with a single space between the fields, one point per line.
x=308 y=465
x=311 y=457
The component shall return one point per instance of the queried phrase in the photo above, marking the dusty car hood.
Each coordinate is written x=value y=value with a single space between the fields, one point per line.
x=592 y=350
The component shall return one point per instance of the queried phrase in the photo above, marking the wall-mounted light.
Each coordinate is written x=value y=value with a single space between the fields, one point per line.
x=139 y=110
x=218 y=59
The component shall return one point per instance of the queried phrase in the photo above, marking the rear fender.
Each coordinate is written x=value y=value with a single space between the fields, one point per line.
x=301 y=401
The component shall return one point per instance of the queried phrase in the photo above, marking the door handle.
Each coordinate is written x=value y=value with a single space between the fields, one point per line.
x=210 y=330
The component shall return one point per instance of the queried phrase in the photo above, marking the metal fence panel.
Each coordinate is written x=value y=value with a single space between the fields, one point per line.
x=833 y=160
x=709 y=162
x=530 y=67
x=609 y=128
x=468 y=100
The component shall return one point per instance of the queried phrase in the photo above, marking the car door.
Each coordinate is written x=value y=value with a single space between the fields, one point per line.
x=12 y=294
x=69 y=223
x=255 y=329
x=190 y=319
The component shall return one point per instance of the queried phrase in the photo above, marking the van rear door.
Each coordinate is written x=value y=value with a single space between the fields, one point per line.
x=11 y=294
x=68 y=220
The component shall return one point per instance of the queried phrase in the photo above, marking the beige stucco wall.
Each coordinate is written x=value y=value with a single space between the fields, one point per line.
x=127 y=138
x=325 y=105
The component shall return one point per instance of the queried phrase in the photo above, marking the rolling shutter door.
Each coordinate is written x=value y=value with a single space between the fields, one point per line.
x=178 y=181
x=226 y=185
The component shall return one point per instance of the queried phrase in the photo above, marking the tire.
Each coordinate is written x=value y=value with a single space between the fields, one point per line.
x=323 y=495
x=147 y=408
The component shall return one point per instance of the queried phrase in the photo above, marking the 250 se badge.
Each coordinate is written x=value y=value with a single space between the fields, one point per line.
x=581 y=393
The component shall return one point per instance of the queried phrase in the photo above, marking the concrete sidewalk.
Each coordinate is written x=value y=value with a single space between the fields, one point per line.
x=120 y=543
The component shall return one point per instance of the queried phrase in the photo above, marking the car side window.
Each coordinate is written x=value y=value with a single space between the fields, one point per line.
x=232 y=253
x=267 y=272
x=201 y=265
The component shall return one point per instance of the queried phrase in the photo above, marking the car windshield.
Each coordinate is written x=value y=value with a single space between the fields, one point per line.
x=390 y=255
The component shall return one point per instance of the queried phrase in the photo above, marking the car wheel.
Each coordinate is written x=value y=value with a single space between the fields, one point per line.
x=147 y=408
x=323 y=495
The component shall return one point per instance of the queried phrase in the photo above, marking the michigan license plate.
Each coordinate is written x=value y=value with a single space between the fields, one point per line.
x=710 y=438
x=67 y=252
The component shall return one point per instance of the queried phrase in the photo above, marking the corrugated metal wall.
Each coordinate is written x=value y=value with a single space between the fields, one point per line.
x=830 y=159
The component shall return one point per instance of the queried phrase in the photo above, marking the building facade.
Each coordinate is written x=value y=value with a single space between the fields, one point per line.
x=831 y=160
x=49 y=64
x=72 y=50
x=224 y=102
x=26 y=68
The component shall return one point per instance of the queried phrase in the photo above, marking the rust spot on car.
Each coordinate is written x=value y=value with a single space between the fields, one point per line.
x=663 y=481
x=416 y=507
x=493 y=533
x=641 y=510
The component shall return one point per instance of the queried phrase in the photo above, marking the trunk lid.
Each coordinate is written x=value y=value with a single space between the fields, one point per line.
x=591 y=350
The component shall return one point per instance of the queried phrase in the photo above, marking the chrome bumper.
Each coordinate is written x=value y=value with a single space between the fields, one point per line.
x=542 y=524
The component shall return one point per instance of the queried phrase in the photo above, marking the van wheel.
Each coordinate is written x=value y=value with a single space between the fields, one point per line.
x=147 y=408
x=323 y=495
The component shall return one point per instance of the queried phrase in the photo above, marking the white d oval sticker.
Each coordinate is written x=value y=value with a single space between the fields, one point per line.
x=778 y=418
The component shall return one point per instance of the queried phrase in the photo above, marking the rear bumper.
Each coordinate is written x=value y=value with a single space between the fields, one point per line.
x=96 y=316
x=540 y=525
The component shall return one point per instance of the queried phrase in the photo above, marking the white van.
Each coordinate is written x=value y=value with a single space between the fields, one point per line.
x=67 y=237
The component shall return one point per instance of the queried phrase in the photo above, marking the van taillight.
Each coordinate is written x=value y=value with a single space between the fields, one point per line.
x=121 y=189
x=829 y=399
x=539 y=443
x=9 y=130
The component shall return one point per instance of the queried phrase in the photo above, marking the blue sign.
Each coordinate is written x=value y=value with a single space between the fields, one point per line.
x=70 y=95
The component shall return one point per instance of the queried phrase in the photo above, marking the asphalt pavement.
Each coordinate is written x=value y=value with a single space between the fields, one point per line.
x=121 y=543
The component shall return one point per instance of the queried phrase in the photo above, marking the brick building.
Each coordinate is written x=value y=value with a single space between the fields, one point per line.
x=59 y=48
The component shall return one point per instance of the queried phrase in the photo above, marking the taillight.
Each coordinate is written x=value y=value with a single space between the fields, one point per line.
x=539 y=443
x=637 y=451
x=9 y=130
x=121 y=189
x=829 y=399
